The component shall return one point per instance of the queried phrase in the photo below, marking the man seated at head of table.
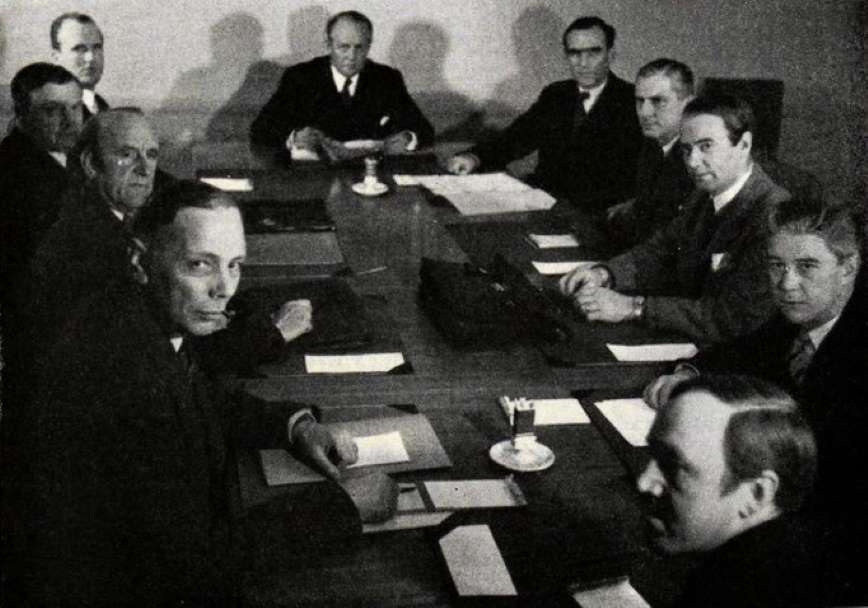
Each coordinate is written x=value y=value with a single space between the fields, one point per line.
x=816 y=346
x=340 y=97
x=114 y=170
x=33 y=177
x=77 y=45
x=703 y=275
x=584 y=129
x=664 y=87
x=129 y=462
x=732 y=461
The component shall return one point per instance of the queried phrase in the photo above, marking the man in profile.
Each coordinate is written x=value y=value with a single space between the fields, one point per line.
x=340 y=97
x=33 y=177
x=663 y=88
x=129 y=461
x=585 y=129
x=77 y=45
x=816 y=346
x=732 y=461
x=703 y=275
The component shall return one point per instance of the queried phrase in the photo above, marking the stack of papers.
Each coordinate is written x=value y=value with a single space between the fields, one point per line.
x=482 y=193
x=229 y=184
x=653 y=352
x=618 y=593
x=632 y=417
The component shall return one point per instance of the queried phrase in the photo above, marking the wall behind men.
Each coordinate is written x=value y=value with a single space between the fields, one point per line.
x=204 y=67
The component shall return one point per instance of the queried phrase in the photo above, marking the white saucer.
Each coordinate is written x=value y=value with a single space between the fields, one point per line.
x=366 y=190
x=534 y=457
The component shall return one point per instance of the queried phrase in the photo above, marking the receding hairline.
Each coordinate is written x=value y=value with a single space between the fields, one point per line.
x=76 y=17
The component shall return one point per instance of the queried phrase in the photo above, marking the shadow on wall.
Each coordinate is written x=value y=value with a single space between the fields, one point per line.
x=419 y=50
x=217 y=102
x=5 y=97
x=539 y=54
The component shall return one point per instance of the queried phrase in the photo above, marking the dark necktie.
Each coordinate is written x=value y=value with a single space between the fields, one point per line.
x=581 y=115
x=346 y=96
x=800 y=357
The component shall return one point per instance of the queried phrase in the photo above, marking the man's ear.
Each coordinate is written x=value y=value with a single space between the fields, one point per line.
x=613 y=54
x=759 y=494
x=851 y=266
x=137 y=253
x=88 y=164
x=54 y=54
x=746 y=140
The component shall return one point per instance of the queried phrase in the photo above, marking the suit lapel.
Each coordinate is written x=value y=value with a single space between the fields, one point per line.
x=729 y=224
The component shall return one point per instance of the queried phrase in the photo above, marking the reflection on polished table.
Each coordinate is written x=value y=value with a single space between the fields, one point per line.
x=582 y=522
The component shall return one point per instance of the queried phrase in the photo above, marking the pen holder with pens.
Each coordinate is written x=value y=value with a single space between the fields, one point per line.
x=522 y=452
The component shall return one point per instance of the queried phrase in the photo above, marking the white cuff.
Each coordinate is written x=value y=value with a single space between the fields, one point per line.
x=295 y=419
x=414 y=142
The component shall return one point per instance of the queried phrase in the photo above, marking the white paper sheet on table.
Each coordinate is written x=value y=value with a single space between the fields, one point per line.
x=653 y=352
x=475 y=562
x=485 y=203
x=380 y=449
x=555 y=268
x=474 y=494
x=475 y=182
x=229 y=184
x=632 y=417
x=553 y=241
x=352 y=364
x=618 y=594
x=550 y=411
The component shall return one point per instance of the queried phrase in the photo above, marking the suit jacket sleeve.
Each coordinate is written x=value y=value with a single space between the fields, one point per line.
x=408 y=116
x=283 y=113
x=520 y=138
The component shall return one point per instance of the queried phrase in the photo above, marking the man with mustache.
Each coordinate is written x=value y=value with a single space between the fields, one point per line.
x=703 y=275
x=584 y=129
x=77 y=45
x=663 y=88
x=732 y=460
x=340 y=97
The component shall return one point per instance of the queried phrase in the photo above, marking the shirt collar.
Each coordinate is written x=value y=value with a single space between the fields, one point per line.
x=818 y=334
x=60 y=157
x=593 y=94
x=339 y=80
x=670 y=145
x=88 y=98
x=724 y=198
x=177 y=342
x=117 y=213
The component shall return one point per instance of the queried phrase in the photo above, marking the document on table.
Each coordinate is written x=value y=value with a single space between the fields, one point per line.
x=230 y=184
x=352 y=364
x=486 y=203
x=555 y=268
x=482 y=193
x=475 y=562
x=653 y=352
x=386 y=448
x=475 y=494
x=619 y=593
x=475 y=182
x=632 y=417
x=549 y=411
x=553 y=241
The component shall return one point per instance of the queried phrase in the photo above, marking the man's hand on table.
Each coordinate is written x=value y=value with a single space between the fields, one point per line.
x=375 y=495
x=604 y=304
x=619 y=211
x=308 y=138
x=658 y=391
x=294 y=318
x=584 y=276
x=328 y=452
x=462 y=164
x=398 y=143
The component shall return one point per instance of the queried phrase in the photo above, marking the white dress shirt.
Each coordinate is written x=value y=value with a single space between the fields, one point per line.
x=721 y=200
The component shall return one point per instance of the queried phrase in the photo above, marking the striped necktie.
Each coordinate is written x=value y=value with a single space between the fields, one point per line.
x=801 y=353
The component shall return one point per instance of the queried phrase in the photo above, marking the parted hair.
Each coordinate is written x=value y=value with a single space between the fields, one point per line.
x=90 y=139
x=840 y=226
x=586 y=23
x=61 y=19
x=765 y=432
x=32 y=77
x=164 y=207
x=678 y=73
x=736 y=113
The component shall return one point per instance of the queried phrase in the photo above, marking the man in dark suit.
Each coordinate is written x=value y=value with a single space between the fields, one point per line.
x=703 y=275
x=663 y=88
x=585 y=129
x=77 y=45
x=340 y=97
x=33 y=177
x=817 y=348
x=732 y=461
x=129 y=463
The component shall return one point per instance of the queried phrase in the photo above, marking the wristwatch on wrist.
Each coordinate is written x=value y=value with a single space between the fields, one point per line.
x=638 y=307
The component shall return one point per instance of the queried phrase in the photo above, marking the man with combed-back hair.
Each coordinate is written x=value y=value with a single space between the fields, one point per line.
x=703 y=274
x=817 y=347
x=732 y=461
x=77 y=45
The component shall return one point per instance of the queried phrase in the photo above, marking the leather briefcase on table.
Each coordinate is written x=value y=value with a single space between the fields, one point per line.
x=495 y=305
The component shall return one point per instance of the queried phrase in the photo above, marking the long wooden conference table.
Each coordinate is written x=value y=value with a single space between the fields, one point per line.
x=582 y=522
